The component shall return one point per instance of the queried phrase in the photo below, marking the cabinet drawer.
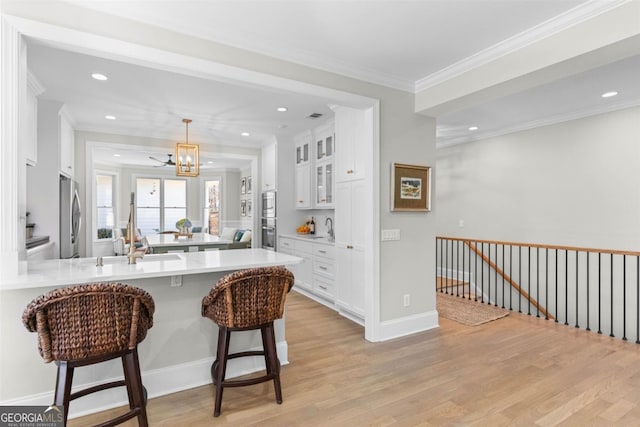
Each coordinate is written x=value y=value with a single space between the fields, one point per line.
x=306 y=247
x=286 y=245
x=325 y=251
x=322 y=267
x=323 y=287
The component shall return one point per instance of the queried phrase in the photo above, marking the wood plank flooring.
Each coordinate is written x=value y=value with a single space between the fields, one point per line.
x=516 y=371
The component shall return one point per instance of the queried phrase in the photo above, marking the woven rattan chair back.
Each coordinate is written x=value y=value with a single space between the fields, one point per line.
x=245 y=300
x=248 y=298
x=92 y=320
x=89 y=324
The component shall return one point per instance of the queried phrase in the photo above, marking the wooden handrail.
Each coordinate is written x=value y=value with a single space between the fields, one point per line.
x=513 y=284
x=543 y=246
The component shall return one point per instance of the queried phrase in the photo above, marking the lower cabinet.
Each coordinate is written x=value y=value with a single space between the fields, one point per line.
x=315 y=274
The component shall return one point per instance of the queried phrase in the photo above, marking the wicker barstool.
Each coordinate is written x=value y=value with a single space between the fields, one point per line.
x=88 y=324
x=242 y=301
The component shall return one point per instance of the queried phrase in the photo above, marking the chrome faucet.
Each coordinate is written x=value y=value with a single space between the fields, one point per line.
x=330 y=231
x=131 y=232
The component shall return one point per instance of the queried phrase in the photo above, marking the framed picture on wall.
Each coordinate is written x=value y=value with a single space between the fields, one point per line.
x=248 y=185
x=243 y=186
x=243 y=208
x=410 y=188
x=249 y=207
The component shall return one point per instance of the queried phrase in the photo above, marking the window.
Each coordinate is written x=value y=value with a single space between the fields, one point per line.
x=160 y=203
x=212 y=205
x=104 y=206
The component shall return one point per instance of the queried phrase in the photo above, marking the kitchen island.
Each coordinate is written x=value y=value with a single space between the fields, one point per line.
x=178 y=350
x=163 y=243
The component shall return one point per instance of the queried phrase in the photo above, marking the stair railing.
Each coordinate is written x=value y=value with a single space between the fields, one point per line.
x=585 y=287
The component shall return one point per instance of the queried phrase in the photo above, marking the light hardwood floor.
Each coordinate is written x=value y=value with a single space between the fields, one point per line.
x=517 y=371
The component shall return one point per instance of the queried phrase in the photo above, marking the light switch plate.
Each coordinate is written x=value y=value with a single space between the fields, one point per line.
x=391 y=234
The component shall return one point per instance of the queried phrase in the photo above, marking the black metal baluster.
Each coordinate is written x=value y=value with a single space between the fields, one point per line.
x=611 y=334
x=546 y=283
x=469 y=250
x=529 y=280
x=495 y=276
x=520 y=278
x=482 y=274
x=556 y=313
x=599 y=292
x=624 y=297
x=446 y=263
x=503 y=270
x=566 y=287
x=588 y=275
x=638 y=299
x=489 y=277
x=510 y=275
x=457 y=268
x=463 y=269
x=537 y=281
x=577 y=293
x=441 y=263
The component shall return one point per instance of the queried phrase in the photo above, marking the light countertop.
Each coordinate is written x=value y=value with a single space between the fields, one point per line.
x=315 y=238
x=60 y=272
x=159 y=240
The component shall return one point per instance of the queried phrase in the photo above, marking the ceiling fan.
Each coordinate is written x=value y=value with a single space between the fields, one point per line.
x=169 y=162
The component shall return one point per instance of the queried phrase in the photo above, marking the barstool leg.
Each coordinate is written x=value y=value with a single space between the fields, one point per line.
x=63 y=387
x=220 y=365
x=273 y=365
x=133 y=380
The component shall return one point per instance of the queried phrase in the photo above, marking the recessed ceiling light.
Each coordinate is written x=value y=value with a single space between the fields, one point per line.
x=473 y=128
x=245 y=134
x=282 y=109
x=609 y=94
x=116 y=155
x=99 y=76
x=210 y=162
x=110 y=117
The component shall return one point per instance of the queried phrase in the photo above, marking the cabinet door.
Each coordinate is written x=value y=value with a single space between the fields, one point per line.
x=269 y=167
x=66 y=147
x=343 y=214
x=324 y=185
x=303 y=155
x=352 y=130
x=303 y=186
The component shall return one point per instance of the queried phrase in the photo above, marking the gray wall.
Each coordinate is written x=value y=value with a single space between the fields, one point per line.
x=575 y=183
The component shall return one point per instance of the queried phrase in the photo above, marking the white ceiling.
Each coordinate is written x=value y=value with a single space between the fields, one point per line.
x=398 y=43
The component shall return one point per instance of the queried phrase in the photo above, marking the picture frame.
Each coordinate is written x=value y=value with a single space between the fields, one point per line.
x=248 y=185
x=249 y=209
x=243 y=186
x=243 y=208
x=410 y=188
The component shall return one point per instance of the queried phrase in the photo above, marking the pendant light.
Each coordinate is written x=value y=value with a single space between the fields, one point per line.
x=187 y=161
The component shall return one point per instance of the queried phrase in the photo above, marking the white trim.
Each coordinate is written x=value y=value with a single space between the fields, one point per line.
x=158 y=382
x=539 y=32
x=547 y=121
x=409 y=325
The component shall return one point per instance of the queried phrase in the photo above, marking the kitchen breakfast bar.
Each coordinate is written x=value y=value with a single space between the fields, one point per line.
x=179 y=349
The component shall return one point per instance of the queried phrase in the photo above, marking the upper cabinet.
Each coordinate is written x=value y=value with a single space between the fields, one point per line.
x=66 y=138
x=324 y=146
x=269 y=167
x=302 y=183
x=29 y=120
x=352 y=131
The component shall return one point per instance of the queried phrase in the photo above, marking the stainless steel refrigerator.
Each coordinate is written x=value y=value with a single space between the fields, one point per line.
x=268 y=219
x=70 y=218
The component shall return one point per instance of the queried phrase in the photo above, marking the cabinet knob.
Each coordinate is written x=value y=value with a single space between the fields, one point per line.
x=350 y=171
x=349 y=247
x=300 y=201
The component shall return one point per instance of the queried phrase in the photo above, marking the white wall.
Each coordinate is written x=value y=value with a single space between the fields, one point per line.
x=575 y=183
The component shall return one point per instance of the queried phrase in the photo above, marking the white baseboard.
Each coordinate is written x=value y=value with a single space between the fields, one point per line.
x=397 y=328
x=158 y=382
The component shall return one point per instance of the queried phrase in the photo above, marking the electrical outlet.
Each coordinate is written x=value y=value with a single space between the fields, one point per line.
x=407 y=300
x=390 y=235
x=176 y=281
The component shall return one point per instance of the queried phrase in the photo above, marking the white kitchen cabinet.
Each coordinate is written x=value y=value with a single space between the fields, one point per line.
x=324 y=145
x=350 y=248
x=352 y=131
x=303 y=186
x=66 y=138
x=29 y=120
x=303 y=148
x=269 y=167
x=325 y=184
x=303 y=272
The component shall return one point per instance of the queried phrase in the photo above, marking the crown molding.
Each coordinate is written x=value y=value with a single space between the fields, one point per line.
x=547 y=121
x=539 y=32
